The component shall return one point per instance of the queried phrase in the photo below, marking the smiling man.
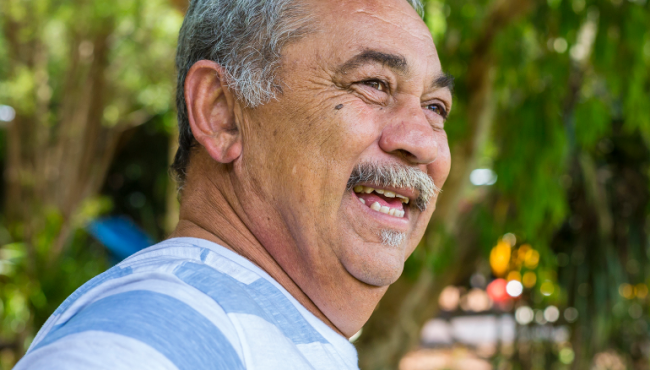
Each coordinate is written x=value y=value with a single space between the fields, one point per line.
x=312 y=149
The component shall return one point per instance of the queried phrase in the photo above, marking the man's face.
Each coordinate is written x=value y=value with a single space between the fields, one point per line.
x=366 y=90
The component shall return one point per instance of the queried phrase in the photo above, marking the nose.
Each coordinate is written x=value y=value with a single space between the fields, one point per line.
x=412 y=138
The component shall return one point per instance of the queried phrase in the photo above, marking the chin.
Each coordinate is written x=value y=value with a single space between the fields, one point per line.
x=378 y=268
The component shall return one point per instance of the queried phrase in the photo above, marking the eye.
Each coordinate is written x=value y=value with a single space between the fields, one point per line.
x=438 y=109
x=377 y=85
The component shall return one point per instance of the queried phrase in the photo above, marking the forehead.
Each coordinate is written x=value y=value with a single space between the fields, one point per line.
x=392 y=26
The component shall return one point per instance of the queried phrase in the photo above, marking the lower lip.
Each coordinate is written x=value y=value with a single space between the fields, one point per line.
x=392 y=221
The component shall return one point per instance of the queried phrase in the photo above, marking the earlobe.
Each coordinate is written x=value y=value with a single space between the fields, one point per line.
x=210 y=110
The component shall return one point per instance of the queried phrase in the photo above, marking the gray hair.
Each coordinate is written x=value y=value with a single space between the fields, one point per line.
x=246 y=38
x=392 y=238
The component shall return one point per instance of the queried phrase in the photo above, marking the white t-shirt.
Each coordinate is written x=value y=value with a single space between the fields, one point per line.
x=186 y=303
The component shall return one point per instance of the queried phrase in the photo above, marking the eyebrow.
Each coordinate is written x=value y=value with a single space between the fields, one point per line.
x=444 y=80
x=395 y=62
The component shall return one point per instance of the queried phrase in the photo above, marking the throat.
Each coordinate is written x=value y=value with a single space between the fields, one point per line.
x=254 y=252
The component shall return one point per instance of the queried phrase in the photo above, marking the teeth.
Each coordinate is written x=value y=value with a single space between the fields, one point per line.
x=404 y=199
x=360 y=189
x=384 y=209
x=386 y=193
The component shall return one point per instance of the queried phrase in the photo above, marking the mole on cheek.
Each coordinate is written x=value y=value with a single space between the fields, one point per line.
x=338 y=106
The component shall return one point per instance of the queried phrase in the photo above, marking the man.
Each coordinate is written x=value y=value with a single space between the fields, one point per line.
x=312 y=146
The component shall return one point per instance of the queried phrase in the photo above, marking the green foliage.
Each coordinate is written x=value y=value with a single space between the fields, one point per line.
x=26 y=302
x=63 y=63
x=141 y=44
x=572 y=88
x=592 y=122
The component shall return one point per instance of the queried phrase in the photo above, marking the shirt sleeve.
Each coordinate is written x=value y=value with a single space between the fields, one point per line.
x=135 y=329
x=95 y=350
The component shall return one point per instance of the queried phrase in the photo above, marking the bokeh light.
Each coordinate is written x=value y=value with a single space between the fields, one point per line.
x=483 y=177
x=608 y=361
x=531 y=259
x=513 y=275
x=476 y=300
x=626 y=291
x=449 y=298
x=547 y=288
x=510 y=238
x=478 y=280
x=551 y=314
x=571 y=314
x=7 y=113
x=635 y=311
x=566 y=356
x=524 y=315
x=500 y=258
x=521 y=252
x=514 y=288
x=641 y=291
x=529 y=279
x=496 y=290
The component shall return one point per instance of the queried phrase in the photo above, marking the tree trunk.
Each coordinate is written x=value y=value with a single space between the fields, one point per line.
x=59 y=147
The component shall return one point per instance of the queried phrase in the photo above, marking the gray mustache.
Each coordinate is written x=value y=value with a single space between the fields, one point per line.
x=395 y=175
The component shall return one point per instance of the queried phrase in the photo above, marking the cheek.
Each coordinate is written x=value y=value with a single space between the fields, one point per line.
x=314 y=148
x=439 y=169
x=358 y=129
x=340 y=136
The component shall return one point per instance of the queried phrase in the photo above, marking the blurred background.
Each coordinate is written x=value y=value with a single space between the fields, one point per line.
x=537 y=256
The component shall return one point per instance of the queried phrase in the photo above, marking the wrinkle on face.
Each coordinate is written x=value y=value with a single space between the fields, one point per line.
x=303 y=137
x=413 y=33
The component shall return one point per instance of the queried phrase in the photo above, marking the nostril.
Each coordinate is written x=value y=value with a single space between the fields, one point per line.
x=405 y=154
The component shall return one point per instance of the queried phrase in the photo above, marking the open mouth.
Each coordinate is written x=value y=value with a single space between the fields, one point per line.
x=382 y=200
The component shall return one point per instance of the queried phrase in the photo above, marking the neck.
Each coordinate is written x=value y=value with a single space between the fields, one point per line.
x=207 y=214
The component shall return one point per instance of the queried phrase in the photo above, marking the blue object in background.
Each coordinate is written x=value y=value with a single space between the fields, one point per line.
x=119 y=235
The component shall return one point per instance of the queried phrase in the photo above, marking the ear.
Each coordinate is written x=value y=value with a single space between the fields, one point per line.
x=210 y=110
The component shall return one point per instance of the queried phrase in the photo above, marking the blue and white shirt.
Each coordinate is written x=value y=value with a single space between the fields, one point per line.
x=187 y=304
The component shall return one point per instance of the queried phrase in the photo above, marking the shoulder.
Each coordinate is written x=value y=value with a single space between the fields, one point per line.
x=185 y=304
x=141 y=307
